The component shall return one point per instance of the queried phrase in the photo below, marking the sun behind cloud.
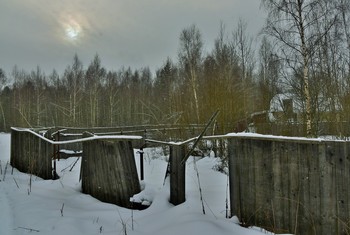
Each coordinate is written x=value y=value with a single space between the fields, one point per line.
x=73 y=31
x=73 y=27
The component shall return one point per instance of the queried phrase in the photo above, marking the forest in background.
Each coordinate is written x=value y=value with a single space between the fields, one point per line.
x=239 y=76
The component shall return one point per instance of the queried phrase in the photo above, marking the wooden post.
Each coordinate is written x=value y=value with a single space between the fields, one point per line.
x=141 y=164
x=58 y=146
x=177 y=175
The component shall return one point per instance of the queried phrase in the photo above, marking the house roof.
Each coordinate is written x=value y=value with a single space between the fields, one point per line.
x=324 y=104
x=277 y=102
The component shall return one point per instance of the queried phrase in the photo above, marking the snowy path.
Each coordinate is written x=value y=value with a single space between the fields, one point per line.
x=6 y=216
x=6 y=212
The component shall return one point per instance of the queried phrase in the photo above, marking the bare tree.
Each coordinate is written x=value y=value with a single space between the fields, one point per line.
x=22 y=101
x=2 y=83
x=95 y=74
x=243 y=47
x=242 y=43
x=344 y=12
x=56 y=96
x=190 y=57
x=112 y=92
x=345 y=19
x=268 y=72
x=225 y=55
x=38 y=78
x=164 y=93
x=292 y=23
x=73 y=79
x=222 y=79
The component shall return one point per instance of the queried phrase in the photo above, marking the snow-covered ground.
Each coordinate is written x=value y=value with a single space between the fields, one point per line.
x=58 y=207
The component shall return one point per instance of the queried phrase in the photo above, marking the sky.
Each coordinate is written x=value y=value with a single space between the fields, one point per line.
x=135 y=33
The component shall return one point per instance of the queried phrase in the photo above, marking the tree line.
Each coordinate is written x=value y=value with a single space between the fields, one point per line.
x=304 y=49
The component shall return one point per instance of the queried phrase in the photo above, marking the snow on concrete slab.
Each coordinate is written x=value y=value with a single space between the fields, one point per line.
x=58 y=207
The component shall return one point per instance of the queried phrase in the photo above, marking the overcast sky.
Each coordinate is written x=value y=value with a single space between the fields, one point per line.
x=136 y=33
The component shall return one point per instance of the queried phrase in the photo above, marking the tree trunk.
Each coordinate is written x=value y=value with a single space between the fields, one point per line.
x=307 y=101
x=305 y=56
x=194 y=90
x=3 y=116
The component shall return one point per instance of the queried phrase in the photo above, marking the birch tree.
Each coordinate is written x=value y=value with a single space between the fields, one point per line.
x=38 y=78
x=22 y=101
x=73 y=79
x=57 y=94
x=344 y=10
x=190 y=56
x=95 y=74
x=292 y=24
x=112 y=93
x=244 y=51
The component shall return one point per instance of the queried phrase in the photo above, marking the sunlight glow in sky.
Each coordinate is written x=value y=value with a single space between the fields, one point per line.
x=123 y=33
x=73 y=31
x=72 y=28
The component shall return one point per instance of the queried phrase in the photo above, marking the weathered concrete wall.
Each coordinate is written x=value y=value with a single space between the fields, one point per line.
x=293 y=186
x=31 y=154
x=108 y=171
x=177 y=174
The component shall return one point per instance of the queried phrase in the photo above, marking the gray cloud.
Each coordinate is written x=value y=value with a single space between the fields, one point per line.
x=124 y=32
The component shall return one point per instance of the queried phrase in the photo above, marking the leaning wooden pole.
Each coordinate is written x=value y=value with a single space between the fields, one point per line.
x=200 y=137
